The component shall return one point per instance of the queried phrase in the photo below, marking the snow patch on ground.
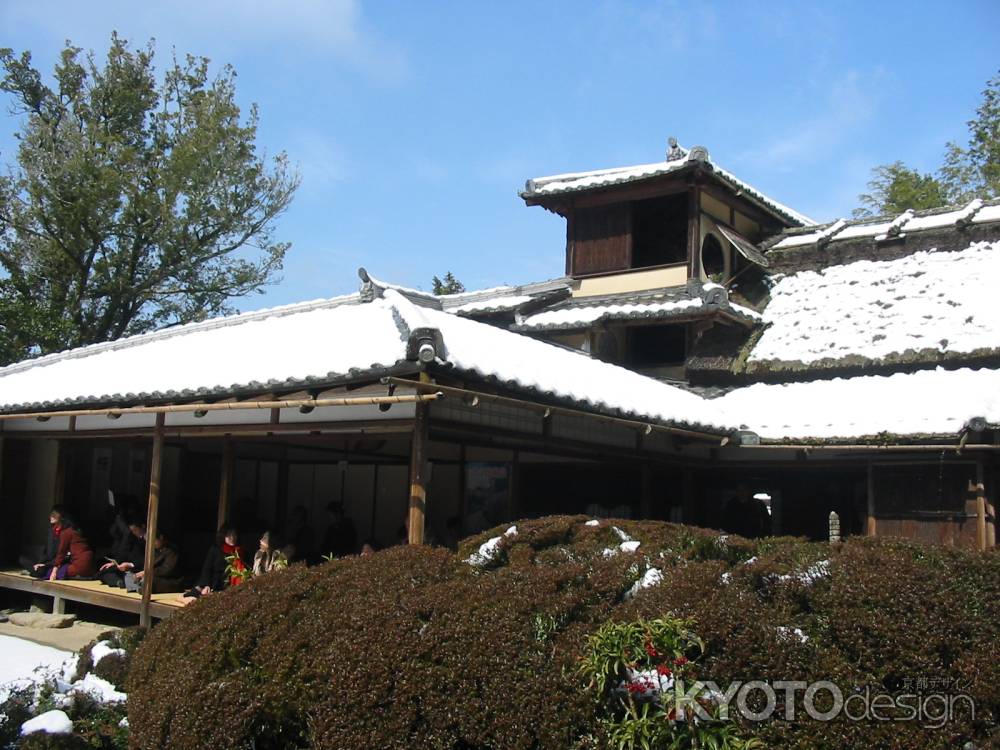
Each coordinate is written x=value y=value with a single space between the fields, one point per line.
x=22 y=663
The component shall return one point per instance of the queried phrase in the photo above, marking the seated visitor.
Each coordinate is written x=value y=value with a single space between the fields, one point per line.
x=299 y=536
x=131 y=557
x=223 y=566
x=341 y=536
x=38 y=563
x=268 y=557
x=368 y=547
x=74 y=558
x=166 y=567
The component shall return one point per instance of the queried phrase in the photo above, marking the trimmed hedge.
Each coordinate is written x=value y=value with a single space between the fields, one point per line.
x=415 y=648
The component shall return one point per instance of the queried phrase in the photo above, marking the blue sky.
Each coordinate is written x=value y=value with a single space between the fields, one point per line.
x=414 y=124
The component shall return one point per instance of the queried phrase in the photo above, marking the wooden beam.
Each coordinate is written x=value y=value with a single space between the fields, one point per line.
x=694 y=232
x=156 y=466
x=546 y=410
x=214 y=431
x=418 y=476
x=228 y=406
x=225 y=483
x=871 y=528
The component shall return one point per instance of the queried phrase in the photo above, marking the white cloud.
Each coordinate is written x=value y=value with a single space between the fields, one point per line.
x=219 y=29
x=321 y=161
x=827 y=124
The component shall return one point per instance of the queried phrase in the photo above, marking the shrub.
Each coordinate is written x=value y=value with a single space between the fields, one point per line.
x=417 y=648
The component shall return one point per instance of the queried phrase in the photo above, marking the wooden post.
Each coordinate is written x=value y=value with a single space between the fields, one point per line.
x=418 y=475
x=225 y=482
x=156 y=465
x=872 y=525
x=980 y=506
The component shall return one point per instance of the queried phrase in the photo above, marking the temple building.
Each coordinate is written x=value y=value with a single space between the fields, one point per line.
x=710 y=356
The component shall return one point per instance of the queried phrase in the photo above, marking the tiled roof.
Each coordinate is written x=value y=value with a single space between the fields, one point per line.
x=664 y=304
x=936 y=302
x=931 y=402
x=881 y=228
x=575 y=182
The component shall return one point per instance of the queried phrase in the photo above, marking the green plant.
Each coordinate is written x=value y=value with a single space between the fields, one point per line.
x=637 y=669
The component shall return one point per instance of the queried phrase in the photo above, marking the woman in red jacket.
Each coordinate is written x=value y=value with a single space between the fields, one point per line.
x=74 y=558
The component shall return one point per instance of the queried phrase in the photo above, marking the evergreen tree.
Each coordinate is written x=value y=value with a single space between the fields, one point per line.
x=970 y=172
x=448 y=285
x=134 y=203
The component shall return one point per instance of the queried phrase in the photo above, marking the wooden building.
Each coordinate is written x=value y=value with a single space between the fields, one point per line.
x=711 y=356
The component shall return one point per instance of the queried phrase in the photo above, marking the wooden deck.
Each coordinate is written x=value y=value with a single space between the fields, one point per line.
x=94 y=593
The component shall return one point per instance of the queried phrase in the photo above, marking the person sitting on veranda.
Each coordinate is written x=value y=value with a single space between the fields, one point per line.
x=223 y=566
x=119 y=571
x=166 y=568
x=39 y=564
x=269 y=556
x=74 y=558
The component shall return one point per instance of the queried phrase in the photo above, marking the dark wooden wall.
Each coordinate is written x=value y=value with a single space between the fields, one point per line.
x=601 y=240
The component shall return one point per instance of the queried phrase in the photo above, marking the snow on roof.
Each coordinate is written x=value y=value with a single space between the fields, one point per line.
x=573 y=182
x=492 y=304
x=320 y=342
x=284 y=345
x=581 y=314
x=974 y=212
x=936 y=300
x=929 y=402
x=528 y=363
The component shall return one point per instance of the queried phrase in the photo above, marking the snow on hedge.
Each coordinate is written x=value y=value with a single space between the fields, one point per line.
x=872 y=309
x=487 y=551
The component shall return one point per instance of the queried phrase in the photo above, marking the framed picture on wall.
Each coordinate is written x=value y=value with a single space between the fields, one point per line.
x=487 y=490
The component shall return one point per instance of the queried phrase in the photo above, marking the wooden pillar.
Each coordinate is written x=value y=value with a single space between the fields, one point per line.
x=980 y=506
x=871 y=524
x=418 y=475
x=225 y=483
x=646 y=499
x=156 y=466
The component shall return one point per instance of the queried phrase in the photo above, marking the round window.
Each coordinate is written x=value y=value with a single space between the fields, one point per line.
x=713 y=259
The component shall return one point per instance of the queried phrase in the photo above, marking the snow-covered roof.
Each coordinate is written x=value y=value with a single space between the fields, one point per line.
x=574 y=182
x=577 y=316
x=972 y=213
x=930 y=402
x=930 y=301
x=503 y=298
x=325 y=341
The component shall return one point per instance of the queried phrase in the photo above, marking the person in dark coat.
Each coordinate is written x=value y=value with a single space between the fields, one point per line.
x=74 y=558
x=132 y=556
x=38 y=565
x=341 y=536
x=299 y=535
x=166 y=568
x=215 y=571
